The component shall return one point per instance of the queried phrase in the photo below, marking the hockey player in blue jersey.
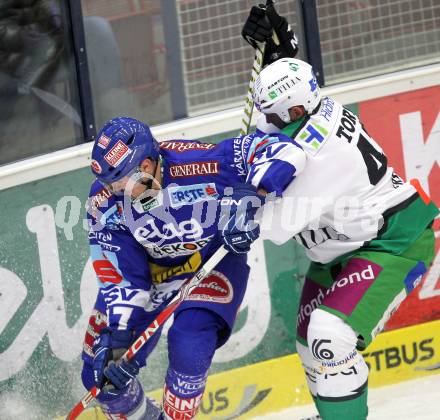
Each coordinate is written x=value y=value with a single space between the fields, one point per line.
x=156 y=214
x=154 y=219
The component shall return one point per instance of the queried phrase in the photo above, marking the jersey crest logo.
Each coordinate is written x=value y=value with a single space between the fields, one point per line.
x=161 y=274
x=194 y=169
x=314 y=134
x=183 y=146
x=177 y=249
x=143 y=205
x=191 y=194
x=214 y=288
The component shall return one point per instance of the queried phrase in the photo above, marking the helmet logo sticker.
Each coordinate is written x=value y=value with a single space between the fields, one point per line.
x=96 y=167
x=293 y=66
x=284 y=84
x=117 y=154
x=277 y=81
x=103 y=141
x=313 y=84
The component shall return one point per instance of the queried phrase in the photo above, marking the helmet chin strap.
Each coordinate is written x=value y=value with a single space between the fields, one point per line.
x=287 y=117
x=139 y=178
x=149 y=182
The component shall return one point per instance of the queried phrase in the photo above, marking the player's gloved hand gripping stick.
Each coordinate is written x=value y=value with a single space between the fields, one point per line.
x=256 y=30
x=183 y=292
x=238 y=228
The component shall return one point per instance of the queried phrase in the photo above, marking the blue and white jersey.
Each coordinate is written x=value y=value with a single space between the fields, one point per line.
x=143 y=250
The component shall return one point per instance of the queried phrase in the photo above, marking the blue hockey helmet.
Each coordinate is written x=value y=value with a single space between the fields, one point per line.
x=120 y=147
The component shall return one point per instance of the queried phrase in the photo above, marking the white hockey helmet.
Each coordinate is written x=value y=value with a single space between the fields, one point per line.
x=286 y=83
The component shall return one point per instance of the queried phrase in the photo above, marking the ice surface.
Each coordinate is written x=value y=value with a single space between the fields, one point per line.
x=418 y=399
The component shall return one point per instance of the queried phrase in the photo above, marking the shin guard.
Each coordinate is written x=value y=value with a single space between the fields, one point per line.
x=341 y=372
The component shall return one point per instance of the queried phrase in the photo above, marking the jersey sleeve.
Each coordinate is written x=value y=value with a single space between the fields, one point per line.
x=121 y=267
x=274 y=161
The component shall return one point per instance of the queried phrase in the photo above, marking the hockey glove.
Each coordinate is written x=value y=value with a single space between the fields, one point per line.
x=108 y=348
x=237 y=226
x=122 y=372
x=259 y=27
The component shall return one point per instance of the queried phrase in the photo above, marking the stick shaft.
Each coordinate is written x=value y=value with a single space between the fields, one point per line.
x=249 y=102
x=256 y=68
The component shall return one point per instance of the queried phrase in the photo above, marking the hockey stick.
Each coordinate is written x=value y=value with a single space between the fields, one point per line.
x=183 y=293
x=249 y=102
x=256 y=68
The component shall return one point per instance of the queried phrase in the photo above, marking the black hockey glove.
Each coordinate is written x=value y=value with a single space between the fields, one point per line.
x=260 y=25
x=288 y=47
x=257 y=27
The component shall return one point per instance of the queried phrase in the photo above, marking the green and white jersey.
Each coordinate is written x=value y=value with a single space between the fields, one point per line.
x=340 y=201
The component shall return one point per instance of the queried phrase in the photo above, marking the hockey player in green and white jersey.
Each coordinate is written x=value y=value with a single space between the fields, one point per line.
x=367 y=232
